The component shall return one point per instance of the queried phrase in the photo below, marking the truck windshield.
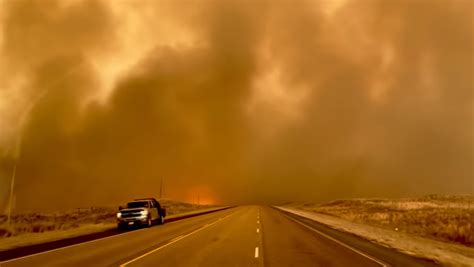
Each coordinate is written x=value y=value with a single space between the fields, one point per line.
x=138 y=204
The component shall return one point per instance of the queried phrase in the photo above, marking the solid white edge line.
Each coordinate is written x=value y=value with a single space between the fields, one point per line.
x=256 y=252
x=75 y=245
x=71 y=246
x=173 y=241
x=340 y=243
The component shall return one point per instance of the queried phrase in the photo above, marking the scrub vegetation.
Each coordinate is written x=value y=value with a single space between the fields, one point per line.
x=40 y=227
x=441 y=217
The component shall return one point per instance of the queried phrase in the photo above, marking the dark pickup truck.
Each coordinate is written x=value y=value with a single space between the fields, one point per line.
x=141 y=212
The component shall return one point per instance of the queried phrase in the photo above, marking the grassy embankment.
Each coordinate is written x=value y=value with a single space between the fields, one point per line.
x=443 y=218
x=33 y=228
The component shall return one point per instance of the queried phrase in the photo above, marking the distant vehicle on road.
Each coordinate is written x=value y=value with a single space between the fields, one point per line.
x=141 y=212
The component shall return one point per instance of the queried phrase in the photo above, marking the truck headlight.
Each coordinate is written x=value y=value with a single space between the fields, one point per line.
x=119 y=215
x=143 y=213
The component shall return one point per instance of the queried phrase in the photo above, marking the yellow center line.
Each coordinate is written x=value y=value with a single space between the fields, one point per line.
x=175 y=240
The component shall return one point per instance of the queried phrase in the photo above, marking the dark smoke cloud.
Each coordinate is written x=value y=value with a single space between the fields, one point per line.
x=417 y=140
x=49 y=44
x=272 y=102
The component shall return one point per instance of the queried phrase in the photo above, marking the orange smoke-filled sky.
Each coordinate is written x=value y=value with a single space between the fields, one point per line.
x=234 y=101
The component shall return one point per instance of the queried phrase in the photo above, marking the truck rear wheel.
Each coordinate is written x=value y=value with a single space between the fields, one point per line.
x=162 y=219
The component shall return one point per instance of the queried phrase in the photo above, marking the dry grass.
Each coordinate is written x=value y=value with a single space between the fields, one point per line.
x=46 y=222
x=444 y=218
x=174 y=207
x=73 y=219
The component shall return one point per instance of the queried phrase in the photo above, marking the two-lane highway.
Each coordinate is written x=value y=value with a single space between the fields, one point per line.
x=229 y=242
x=242 y=236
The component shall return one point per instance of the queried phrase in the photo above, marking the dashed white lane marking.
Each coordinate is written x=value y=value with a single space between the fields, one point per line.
x=258 y=230
x=256 y=252
x=174 y=241
x=258 y=221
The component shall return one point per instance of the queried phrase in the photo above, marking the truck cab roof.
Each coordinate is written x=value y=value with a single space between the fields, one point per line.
x=139 y=204
x=155 y=202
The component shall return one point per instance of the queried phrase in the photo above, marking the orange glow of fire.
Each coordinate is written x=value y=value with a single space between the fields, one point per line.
x=202 y=195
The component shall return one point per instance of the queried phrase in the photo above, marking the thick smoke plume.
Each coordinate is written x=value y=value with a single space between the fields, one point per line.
x=234 y=101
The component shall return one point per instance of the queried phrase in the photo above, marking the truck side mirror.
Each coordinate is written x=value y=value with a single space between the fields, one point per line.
x=120 y=208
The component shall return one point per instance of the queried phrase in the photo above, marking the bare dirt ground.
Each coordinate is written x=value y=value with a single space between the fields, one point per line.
x=33 y=228
x=436 y=227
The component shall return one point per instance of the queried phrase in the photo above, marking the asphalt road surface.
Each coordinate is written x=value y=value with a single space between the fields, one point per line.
x=241 y=236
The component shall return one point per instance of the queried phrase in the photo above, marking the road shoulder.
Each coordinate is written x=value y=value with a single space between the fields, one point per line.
x=446 y=254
